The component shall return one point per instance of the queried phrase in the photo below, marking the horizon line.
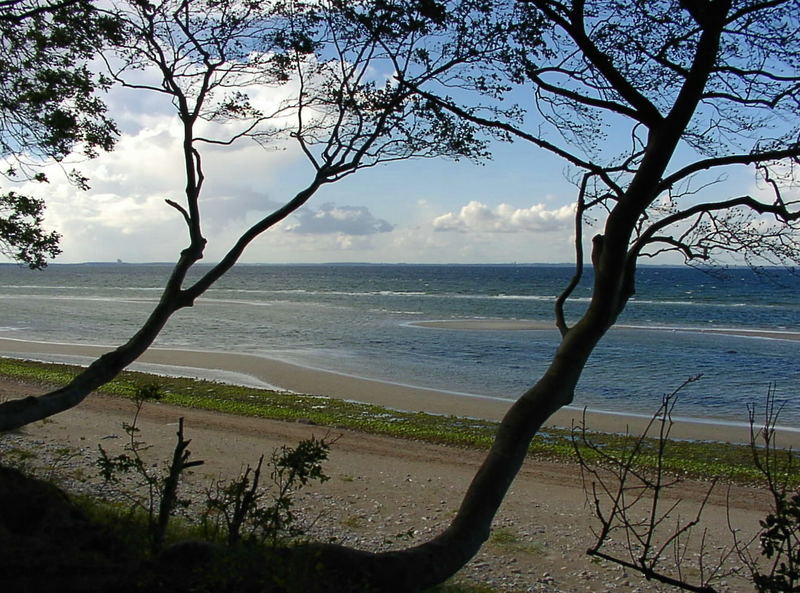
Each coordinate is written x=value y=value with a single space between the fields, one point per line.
x=364 y=263
x=306 y=263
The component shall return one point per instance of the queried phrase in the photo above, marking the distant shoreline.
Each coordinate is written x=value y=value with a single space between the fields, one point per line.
x=209 y=263
x=270 y=373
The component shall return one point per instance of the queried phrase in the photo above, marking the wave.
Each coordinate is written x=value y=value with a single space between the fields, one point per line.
x=741 y=332
x=91 y=299
x=485 y=296
x=101 y=294
x=303 y=291
x=510 y=324
x=526 y=297
x=73 y=287
x=702 y=304
x=249 y=303
x=265 y=291
x=223 y=296
x=389 y=293
x=476 y=296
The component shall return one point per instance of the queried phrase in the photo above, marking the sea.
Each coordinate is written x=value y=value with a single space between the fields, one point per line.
x=363 y=320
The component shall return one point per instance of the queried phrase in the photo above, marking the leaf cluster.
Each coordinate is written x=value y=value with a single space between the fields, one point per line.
x=780 y=542
x=50 y=104
x=22 y=237
x=49 y=98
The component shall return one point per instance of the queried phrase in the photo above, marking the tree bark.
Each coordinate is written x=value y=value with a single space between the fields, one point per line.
x=423 y=566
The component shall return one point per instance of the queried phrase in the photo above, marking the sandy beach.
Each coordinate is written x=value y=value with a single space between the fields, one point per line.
x=383 y=493
x=282 y=375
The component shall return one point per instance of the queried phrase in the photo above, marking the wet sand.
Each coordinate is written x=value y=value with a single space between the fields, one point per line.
x=282 y=375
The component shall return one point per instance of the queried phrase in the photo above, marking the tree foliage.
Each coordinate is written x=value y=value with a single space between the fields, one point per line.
x=48 y=93
x=780 y=543
x=21 y=234
x=49 y=104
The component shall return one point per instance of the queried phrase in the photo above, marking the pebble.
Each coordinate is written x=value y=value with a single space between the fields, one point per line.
x=510 y=569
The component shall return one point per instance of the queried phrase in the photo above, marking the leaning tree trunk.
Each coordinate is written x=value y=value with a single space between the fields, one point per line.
x=420 y=567
x=19 y=412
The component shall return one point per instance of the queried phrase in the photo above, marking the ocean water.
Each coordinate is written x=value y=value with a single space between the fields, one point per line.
x=361 y=320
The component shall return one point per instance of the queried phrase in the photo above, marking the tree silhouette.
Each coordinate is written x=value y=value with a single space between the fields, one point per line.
x=207 y=56
x=680 y=89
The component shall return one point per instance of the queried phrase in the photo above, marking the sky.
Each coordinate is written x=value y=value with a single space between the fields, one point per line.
x=515 y=207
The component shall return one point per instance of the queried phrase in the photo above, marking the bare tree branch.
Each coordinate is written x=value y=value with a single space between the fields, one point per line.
x=647 y=539
x=573 y=24
x=580 y=208
x=735 y=159
x=649 y=235
x=514 y=131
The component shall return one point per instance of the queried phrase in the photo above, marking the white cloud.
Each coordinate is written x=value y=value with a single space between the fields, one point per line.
x=281 y=247
x=478 y=217
x=124 y=214
x=333 y=219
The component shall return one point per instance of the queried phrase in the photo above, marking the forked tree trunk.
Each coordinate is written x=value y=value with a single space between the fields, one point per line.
x=19 y=412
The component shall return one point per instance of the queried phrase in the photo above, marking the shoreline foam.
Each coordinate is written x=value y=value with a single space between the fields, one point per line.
x=295 y=378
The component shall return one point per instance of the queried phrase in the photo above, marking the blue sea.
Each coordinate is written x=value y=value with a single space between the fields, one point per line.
x=361 y=320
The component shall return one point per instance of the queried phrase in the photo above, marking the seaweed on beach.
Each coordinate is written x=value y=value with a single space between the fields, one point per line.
x=705 y=460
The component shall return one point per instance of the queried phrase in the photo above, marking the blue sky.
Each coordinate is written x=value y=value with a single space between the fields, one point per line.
x=516 y=207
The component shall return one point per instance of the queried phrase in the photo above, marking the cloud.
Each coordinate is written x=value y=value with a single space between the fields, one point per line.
x=478 y=217
x=344 y=220
x=124 y=214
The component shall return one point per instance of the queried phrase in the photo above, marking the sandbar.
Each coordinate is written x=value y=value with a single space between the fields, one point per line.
x=528 y=325
x=300 y=379
x=486 y=324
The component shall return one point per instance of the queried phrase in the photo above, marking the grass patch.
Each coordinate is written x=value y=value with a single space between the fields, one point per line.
x=504 y=537
x=19 y=457
x=507 y=540
x=353 y=522
x=696 y=459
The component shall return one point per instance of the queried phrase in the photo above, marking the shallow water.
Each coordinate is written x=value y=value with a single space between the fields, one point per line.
x=359 y=319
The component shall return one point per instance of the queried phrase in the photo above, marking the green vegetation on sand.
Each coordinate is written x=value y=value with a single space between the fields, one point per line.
x=699 y=459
